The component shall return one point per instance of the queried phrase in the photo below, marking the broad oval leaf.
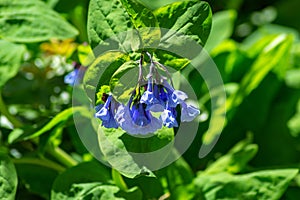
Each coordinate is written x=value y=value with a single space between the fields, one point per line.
x=10 y=60
x=111 y=23
x=32 y=21
x=188 y=18
x=89 y=172
x=267 y=184
x=133 y=156
x=8 y=178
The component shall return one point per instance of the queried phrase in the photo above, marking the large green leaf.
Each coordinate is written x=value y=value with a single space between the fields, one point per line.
x=91 y=191
x=83 y=173
x=38 y=179
x=32 y=21
x=134 y=156
x=116 y=154
x=188 y=18
x=8 y=178
x=107 y=18
x=10 y=60
x=109 y=21
x=185 y=27
x=268 y=184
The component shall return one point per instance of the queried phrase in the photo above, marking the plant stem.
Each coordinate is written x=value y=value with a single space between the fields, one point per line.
x=3 y=109
x=42 y=162
x=62 y=156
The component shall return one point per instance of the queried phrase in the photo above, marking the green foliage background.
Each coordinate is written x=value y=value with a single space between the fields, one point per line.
x=255 y=46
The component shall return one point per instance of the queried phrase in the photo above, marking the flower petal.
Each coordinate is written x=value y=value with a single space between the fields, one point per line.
x=188 y=112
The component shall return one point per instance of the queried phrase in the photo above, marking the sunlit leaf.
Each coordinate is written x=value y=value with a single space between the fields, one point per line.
x=32 y=21
x=268 y=184
x=101 y=70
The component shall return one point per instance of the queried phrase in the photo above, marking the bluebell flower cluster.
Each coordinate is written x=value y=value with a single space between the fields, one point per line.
x=152 y=105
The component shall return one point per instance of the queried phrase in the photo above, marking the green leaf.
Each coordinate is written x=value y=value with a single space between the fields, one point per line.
x=140 y=16
x=116 y=154
x=32 y=21
x=274 y=56
x=101 y=70
x=8 y=178
x=185 y=27
x=133 y=156
x=179 y=176
x=235 y=160
x=109 y=21
x=107 y=18
x=59 y=120
x=90 y=191
x=10 y=60
x=38 y=179
x=221 y=29
x=268 y=184
x=124 y=81
x=189 y=18
x=89 y=172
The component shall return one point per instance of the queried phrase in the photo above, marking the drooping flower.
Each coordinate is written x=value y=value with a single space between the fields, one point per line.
x=151 y=97
x=106 y=113
x=188 y=112
x=135 y=119
x=168 y=117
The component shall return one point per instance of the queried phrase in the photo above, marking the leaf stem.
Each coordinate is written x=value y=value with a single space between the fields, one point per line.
x=3 y=109
x=62 y=156
x=42 y=162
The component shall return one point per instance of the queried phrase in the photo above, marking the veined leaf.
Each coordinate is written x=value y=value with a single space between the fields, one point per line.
x=116 y=154
x=185 y=27
x=10 y=60
x=84 y=173
x=109 y=21
x=32 y=21
x=267 y=184
x=8 y=178
x=185 y=18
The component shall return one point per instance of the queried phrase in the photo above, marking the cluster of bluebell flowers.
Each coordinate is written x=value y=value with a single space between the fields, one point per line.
x=152 y=104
